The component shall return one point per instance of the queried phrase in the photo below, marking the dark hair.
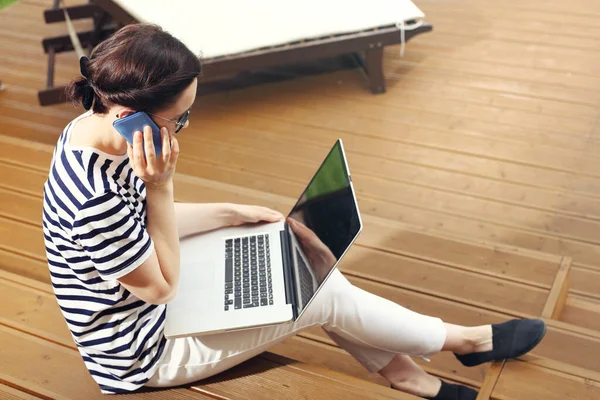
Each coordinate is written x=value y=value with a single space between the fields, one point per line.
x=140 y=66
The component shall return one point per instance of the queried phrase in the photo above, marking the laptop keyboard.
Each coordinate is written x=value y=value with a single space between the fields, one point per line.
x=248 y=272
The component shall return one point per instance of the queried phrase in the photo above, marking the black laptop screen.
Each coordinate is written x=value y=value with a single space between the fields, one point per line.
x=325 y=220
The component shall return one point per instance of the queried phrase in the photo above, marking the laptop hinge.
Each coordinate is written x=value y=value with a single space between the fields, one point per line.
x=288 y=274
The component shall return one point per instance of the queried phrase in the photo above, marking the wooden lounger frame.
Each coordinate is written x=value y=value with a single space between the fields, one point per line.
x=108 y=17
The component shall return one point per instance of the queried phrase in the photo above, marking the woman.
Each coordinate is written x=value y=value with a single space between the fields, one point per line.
x=112 y=230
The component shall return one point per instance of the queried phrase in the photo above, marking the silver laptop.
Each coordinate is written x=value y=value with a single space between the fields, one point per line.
x=265 y=274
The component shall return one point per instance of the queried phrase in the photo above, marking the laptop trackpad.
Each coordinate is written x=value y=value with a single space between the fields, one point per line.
x=196 y=276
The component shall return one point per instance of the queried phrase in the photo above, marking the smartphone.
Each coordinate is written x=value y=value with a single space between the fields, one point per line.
x=128 y=125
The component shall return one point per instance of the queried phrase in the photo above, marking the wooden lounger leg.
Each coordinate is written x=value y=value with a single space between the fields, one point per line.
x=374 y=69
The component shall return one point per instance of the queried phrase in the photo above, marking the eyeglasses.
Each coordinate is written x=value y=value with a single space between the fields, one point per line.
x=179 y=123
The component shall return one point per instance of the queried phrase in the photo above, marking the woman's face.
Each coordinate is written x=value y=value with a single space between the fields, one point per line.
x=181 y=106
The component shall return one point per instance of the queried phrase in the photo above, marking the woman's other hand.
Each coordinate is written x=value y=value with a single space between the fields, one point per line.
x=320 y=257
x=154 y=171
x=244 y=214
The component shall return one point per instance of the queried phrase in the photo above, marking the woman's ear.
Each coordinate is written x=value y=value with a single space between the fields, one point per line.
x=124 y=112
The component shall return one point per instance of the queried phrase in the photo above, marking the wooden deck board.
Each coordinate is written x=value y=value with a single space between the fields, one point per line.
x=31 y=320
x=10 y=393
x=514 y=384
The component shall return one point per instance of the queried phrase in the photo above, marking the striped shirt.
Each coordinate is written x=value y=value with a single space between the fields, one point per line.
x=94 y=223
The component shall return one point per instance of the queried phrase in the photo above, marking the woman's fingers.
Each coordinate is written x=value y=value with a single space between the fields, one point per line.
x=166 y=144
x=149 y=145
x=138 y=153
x=149 y=167
x=174 y=151
x=258 y=213
x=300 y=230
x=266 y=214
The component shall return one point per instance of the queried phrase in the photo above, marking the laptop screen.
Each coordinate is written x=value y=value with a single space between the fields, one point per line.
x=324 y=222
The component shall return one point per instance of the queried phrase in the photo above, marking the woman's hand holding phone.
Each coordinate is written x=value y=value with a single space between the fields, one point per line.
x=154 y=171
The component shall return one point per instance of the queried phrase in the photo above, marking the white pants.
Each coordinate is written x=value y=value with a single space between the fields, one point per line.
x=372 y=329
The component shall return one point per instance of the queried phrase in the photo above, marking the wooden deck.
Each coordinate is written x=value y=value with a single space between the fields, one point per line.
x=477 y=174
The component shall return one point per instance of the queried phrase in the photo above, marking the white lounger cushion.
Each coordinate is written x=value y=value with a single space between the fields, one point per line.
x=225 y=27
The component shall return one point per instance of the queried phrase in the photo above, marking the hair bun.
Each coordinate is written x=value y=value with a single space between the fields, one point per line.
x=87 y=97
x=83 y=66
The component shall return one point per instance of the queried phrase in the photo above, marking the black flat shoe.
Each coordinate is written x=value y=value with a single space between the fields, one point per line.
x=450 y=391
x=510 y=339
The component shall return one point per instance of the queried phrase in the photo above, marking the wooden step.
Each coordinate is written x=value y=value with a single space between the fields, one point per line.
x=10 y=393
x=442 y=365
x=402 y=244
x=405 y=252
x=581 y=341
x=515 y=383
x=584 y=282
x=33 y=329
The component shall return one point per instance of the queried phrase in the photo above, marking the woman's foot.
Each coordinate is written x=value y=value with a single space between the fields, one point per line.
x=450 y=391
x=510 y=339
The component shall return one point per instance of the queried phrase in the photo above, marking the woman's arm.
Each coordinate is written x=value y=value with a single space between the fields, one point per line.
x=193 y=218
x=156 y=279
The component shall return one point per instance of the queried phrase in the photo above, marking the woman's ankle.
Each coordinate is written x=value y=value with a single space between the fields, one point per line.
x=465 y=340
x=425 y=386
x=405 y=375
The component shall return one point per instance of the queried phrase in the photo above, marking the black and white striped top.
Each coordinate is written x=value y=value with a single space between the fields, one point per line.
x=94 y=219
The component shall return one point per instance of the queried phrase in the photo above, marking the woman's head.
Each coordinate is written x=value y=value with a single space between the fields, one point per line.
x=140 y=67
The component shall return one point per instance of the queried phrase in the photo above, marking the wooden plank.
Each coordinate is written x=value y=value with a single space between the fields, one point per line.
x=536 y=168
x=15 y=151
x=30 y=307
x=410 y=242
x=49 y=370
x=26 y=153
x=312 y=352
x=549 y=17
x=21 y=180
x=346 y=95
x=22 y=309
x=413 y=243
x=491 y=378
x=366 y=167
x=33 y=311
x=75 y=12
x=22 y=239
x=518 y=382
x=517 y=299
x=581 y=311
x=584 y=281
x=27 y=267
x=440 y=281
x=22 y=207
x=501 y=40
x=414 y=210
x=9 y=393
x=45 y=314
x=382 y=110
x=581 y=345
x=558 y=292
x=486 y=292
x=443 y=365
x=261 y=378
x=557 y=366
